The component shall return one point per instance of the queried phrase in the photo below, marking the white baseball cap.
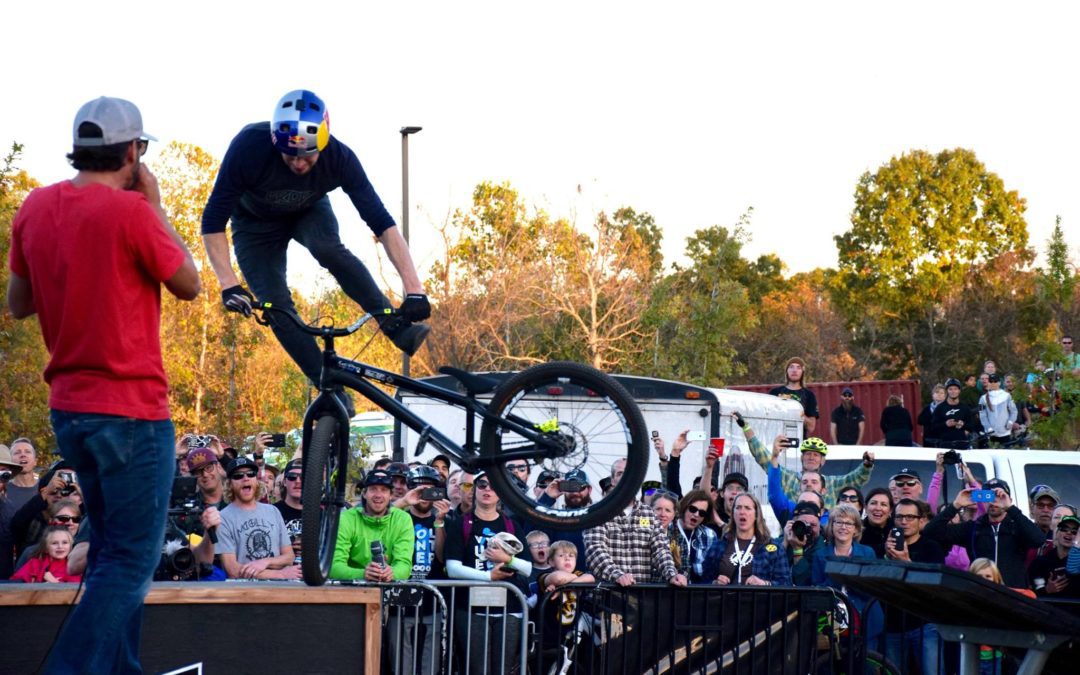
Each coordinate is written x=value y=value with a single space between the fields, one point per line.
x=108 y=121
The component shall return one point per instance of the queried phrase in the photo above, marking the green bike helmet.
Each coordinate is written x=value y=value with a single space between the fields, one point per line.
x=815 y=444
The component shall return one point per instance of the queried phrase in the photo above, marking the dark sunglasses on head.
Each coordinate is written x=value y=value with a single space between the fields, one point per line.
x=906 y=483
x=292 y=477
x=67 y=519
x=693 y=510
x=242 y=474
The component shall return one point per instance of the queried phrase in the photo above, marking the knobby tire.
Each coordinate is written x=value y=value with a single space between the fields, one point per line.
x=323 y=493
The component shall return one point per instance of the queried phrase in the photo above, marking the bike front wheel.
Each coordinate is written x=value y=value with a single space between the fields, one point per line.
x=597 y=423
x=322 y=499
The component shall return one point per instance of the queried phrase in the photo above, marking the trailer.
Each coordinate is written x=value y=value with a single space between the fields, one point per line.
x=668 y=407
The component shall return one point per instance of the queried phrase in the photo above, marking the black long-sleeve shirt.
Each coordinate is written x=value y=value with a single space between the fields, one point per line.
x=1007 y=543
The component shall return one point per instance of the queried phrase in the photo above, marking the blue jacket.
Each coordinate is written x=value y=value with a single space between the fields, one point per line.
x=782 y=506
x=769 y=562
x=872 y=623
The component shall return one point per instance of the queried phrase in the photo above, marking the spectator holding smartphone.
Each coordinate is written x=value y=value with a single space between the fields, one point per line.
x=1004 y=534
x=56 y=484
x=1048 y=573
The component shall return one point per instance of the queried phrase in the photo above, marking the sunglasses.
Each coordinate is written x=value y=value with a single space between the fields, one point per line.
x=67 y=519
x=850 y=498
x=517 y=467
x=242 y=474
x=482 y=485
x=201 y=470
x=848 y=396
x=292 y=477
x=906 y=483
x=1068 y=530
x=143 y=144
x=904 y=517
x=693 y=510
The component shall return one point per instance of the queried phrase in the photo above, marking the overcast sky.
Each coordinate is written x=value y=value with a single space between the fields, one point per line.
x=692 y=112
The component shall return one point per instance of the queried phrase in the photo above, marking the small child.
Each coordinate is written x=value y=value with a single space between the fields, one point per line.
x=560 y=614
x=990 y=657
x=49 y=560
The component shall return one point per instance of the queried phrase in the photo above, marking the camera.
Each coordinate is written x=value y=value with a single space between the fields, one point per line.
x=69 y=483
x=801 y=530
x=177 y=559
x=897 y=536
x=5 y=476
x=199 y=441
x=951 y=457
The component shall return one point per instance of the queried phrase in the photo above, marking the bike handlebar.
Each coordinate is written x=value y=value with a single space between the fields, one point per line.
x=310 y=329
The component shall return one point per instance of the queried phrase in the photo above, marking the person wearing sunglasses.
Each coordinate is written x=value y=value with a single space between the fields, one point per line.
x=65 y=513
x=252 y=539
x=292 y=480
x=691 y=537
x=474 y=549
x=1048 y=572
x=908 y=483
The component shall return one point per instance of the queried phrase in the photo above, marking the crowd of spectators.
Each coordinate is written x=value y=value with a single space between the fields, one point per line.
x=436 y=521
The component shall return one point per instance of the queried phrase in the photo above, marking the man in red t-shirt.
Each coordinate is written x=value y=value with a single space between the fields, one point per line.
x=88 y=256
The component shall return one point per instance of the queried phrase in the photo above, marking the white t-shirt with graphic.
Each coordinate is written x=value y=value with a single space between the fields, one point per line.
x=251 y=534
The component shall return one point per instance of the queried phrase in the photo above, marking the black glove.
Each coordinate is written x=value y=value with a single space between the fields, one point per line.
x=237 y=299
x=415 y=307
x=738 y=419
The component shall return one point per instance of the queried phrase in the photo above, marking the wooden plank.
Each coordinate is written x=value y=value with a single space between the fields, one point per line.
x=373 y=639
x=203 y=593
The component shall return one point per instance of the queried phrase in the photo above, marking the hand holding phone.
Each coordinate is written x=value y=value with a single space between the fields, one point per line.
x=695 y=436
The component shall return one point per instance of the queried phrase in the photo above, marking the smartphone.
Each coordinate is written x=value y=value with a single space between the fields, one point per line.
x=695 y=436
x=898 y=538
x=433 y=494
x=982 y=496
x=571 y=486
x=655 y=433
x=276 y=441
x=717 y=446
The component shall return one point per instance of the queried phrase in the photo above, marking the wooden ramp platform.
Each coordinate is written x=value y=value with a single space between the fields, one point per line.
x=223 y=627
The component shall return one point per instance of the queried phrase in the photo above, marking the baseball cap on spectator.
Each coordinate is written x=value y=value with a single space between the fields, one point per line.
x=605 y=483
x=378 y=477
x=441 y=456
x=398 y=469
x=51 y=471
x=242 y=462
x=847 y=392
x=200 y=457
x=294 y=464
x=229 y=452
x=1069 y=519
x=995 y=377
x=649 y=487
x=804 y=508
x=907 y=473
x=735 y=477
x=546 y=476
x=578 y=475
x=1040 y=491
x=108 y=121
x=6 y=462
x=998 y=483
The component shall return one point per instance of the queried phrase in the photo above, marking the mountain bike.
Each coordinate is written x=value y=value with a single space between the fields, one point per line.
x=558 y=416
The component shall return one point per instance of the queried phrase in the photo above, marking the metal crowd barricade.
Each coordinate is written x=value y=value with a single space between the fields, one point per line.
x=454 y=626
x=698 y=629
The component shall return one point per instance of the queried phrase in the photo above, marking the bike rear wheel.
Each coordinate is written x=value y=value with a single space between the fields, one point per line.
x=322 y=499
x=597 y=420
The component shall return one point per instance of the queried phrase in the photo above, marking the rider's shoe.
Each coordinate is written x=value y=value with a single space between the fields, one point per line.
x=409 y=337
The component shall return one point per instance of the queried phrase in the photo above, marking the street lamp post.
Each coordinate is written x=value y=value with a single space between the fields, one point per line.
x=405 y=133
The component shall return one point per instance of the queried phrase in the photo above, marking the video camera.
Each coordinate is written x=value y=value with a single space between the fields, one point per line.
x=177 y=559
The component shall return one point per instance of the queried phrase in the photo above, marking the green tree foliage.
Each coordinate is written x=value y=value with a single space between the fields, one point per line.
x=1057 y=281
x=24 y=409
x=920 y=225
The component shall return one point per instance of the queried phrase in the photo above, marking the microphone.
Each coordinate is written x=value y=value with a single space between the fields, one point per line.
x=377 y=553
x=212 y=532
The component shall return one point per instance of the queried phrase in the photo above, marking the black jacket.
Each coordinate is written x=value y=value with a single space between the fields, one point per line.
x=1016 y=536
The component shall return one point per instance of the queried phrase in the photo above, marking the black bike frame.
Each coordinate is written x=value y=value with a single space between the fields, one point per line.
x=338 y=372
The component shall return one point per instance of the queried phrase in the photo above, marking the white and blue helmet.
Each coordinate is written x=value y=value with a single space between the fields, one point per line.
x=300 y=125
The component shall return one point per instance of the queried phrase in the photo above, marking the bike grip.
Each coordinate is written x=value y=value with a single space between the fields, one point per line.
x=212 y=533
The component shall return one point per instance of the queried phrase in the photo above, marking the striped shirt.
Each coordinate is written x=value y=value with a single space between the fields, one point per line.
x=790 y=479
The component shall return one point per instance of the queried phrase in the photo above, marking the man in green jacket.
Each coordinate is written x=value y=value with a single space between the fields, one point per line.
x=376 y=520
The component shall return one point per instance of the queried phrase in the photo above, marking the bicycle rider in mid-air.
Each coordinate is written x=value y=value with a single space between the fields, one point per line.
x=273 y=185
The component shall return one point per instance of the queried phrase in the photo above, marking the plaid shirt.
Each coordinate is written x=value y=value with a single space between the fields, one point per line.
x=790 y=480
x=633 y=543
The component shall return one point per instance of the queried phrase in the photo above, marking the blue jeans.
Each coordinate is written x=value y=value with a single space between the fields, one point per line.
x=125 y=468
x=261 y=246
x=925 y=642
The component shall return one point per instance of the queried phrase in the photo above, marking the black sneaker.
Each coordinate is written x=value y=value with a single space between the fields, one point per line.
x=409 y=337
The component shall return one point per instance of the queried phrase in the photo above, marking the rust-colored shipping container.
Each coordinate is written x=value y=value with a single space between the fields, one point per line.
x=871 y=396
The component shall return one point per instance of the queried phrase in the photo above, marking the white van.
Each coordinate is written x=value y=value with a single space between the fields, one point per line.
x=1021 y=469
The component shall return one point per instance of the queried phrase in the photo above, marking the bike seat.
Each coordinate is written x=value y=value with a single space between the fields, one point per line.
x=473 y=384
